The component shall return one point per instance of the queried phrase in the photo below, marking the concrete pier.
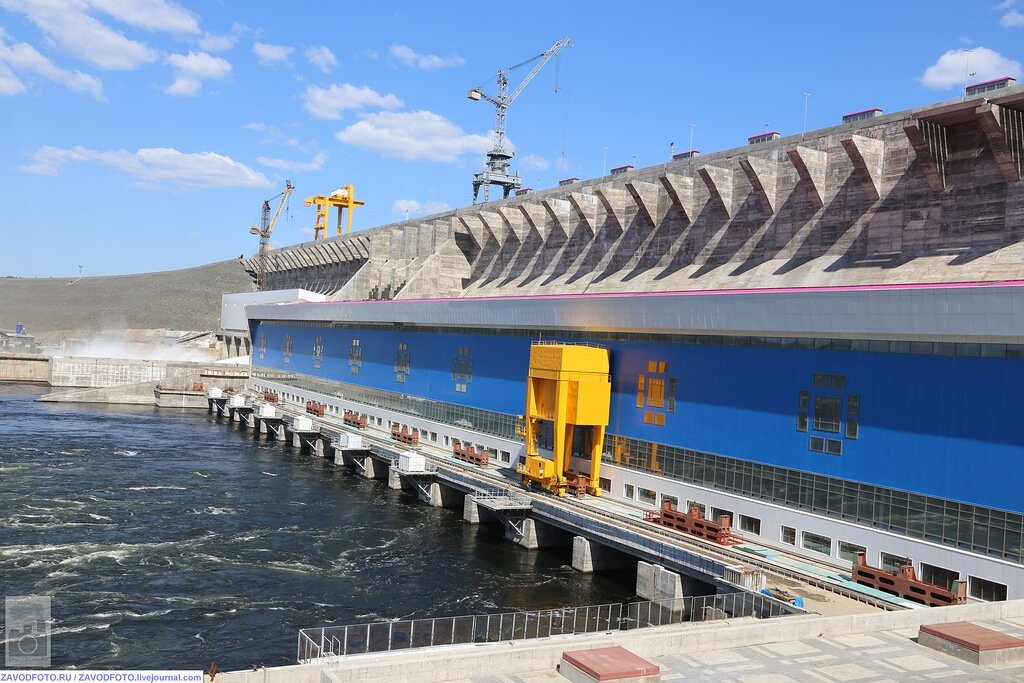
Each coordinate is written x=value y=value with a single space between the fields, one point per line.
x=533 y=534
x=441 y=496
x=589 y=556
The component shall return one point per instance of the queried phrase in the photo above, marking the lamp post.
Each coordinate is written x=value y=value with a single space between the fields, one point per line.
x=807 y=96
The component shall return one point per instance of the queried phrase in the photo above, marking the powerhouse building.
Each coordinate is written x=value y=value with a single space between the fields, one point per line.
x=821 y=335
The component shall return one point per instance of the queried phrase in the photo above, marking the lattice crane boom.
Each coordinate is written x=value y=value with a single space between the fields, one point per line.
x=498 y=158
x=264 y=230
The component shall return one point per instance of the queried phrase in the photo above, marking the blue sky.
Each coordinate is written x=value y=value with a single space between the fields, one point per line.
x=144 y=135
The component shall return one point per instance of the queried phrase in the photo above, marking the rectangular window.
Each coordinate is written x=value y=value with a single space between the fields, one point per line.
x=647 y=496
x=852 y=428
x=853 y=405
x=801 y=422
x=605 y=484
x=788 y=535
x=671 y=499
x=849 y=551
x=652 y=366
x=804 y=402
x=820 y=380
x=890 y=563
x=700 y=508
x=940 y=576
x=983 y=589
x=838 y=382
x=662 y=367
x=670 y=397
x=819 y=544
x=433 y=436
x=627 y=491
x=750 y=525
x=718 y=513
x=656 y=393
x=639 y=391
x=833 y=446
x=827 y=413
x=505 y=456
x=816 y=444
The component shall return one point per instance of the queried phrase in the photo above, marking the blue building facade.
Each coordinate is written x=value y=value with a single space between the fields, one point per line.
x=912 y=439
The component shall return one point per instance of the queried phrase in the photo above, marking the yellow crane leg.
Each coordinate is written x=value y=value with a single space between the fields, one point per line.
x=596 y=448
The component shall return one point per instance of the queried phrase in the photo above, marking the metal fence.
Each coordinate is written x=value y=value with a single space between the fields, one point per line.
x=340 y=641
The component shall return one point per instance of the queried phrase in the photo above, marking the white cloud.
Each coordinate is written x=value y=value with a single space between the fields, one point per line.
x=406 y=55
x=328 y=103
x=1012 y=19
x=154 y=168
x=212 y=42
x=321 y=57
x=24 y=58
x=272 y=134
x=951 y=68
x=155 y=15
x=532 y=162
x=405 y=206
x=413 y=135
x=370 y=53
x=9 y=83
x=70 y=25
x=297 y=166
x=192 y=69
x=272 y=54
x=1006 y=4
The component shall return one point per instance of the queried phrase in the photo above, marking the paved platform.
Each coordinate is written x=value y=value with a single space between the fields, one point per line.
x=883 y=657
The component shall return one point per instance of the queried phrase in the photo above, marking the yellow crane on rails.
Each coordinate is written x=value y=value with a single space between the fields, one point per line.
x=264 y=229
x=342 y=198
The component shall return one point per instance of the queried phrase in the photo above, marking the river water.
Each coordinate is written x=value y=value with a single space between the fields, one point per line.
x=169 y=540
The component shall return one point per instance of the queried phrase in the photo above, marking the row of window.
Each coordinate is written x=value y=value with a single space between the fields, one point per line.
x=961 y=525
x=979 y=588
x=925 y=348
x=979 y=529
x=386 y=424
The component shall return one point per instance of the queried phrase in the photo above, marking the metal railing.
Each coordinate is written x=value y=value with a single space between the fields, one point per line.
x=386 y=636
x=501 y=498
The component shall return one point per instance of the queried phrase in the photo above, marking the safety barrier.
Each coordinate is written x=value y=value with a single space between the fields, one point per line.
x=385 y=636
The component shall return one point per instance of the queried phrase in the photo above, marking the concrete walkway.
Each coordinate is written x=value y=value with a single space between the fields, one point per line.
x=886 y=657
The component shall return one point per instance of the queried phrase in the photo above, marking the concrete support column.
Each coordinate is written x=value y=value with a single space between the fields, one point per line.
x=372 y=469
x=654 y=582
x=296 y=440
x=236 y=416
x=394 y=479
x=261 y=426
x=470 y=511
x=589 y=556
x=280 y=434
x=318 y=447
x=339 y=457
x=440 y=496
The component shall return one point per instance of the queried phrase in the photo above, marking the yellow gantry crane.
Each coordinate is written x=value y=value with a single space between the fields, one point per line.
x=342 y=198
x=568 y=385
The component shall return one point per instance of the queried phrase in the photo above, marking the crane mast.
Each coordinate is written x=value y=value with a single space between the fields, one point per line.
x=498 y=158
x=265 y=228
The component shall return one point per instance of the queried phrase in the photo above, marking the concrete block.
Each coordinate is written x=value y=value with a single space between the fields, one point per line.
x=763 y=175
x=719 y=182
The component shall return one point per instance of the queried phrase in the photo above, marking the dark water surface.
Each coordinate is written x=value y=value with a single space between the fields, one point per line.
x=168 y=540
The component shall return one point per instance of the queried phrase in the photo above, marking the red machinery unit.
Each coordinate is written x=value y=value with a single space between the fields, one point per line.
x=470 y=454
x=905 y=584
x=405 y=435
x=354 y=419
x=694 y=524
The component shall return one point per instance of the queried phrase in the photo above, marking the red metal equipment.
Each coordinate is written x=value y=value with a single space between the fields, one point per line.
x=315 y=408
x=354 y=419
x=905 y=584
x=469 y=454
x=694 y=524
x=270 y=396
x=405 y=435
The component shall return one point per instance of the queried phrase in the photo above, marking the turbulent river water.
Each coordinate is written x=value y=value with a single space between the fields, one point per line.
x=169 y=540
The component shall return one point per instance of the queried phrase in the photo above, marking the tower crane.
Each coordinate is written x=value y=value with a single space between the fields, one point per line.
x=264 y=229
x=498 y=158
